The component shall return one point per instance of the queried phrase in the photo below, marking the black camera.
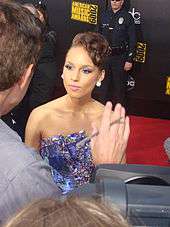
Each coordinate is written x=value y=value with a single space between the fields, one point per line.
x=141 y=192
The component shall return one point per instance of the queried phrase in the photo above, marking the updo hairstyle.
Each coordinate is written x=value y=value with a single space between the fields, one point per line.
x=95 y=44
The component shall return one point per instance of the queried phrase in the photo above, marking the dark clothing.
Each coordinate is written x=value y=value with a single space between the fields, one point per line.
x=43 y=83
x=118 y=80
x=119 y=30
x=41 y=89
x=48 y=52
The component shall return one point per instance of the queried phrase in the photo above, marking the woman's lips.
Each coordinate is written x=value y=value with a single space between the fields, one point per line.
x=74 y=87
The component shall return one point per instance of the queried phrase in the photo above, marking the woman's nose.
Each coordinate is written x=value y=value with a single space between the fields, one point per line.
x=75 y=76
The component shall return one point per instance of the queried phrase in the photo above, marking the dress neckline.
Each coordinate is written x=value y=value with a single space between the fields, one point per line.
x=81 y=132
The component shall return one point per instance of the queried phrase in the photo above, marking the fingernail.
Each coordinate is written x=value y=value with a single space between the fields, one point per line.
x=109 y=103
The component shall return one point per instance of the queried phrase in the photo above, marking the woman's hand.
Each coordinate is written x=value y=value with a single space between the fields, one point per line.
x=110 y=144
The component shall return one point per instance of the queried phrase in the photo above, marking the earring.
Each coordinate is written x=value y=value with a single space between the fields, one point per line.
x=62 y=76
x=98 y=84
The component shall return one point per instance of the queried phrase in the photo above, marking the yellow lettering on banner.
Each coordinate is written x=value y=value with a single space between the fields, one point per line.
x=93 y=14
x=85 y=6
x=73 y=9
x=75 y=4
x=84 y=12
x=140 y=55
x=84 y=18
x=93 y=9
x=168 y=86
x=76 y=16
x=86 y=15
x=167 y=92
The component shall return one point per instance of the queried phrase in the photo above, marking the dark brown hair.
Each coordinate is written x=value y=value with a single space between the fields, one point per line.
x=73 y=212
x=20 y=42
x=96 y=46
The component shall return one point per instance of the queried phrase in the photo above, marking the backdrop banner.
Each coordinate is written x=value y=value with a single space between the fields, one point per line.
x=152 y=72
x=149 y=82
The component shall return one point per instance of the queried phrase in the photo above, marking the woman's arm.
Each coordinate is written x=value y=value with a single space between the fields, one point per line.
x=33 y=130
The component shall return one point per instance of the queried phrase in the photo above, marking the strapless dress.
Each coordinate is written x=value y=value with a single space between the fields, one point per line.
x=70 y=166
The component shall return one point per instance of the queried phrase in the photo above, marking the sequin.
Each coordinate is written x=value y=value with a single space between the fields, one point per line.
x=71 y=166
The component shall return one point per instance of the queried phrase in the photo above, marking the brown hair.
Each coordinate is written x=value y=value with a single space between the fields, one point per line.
x=96 y=46
x=20 y=42
x=73 y=212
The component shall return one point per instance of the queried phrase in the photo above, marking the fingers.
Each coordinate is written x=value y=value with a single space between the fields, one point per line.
x=122 y=122
x=94 y=131
x=105 y=122
x=110 y=144
x=122 y=129
x=126 y=130
x=94 y=128
x=124 y=142
x=120 y=134
x=115 y=115
x=127 y=127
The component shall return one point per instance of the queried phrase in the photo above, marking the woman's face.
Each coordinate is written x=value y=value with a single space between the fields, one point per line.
x=80 y=74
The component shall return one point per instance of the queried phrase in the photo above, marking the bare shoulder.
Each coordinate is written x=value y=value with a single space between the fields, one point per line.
x=98 y=112
x=95 y=112
x=98 y=108
x=47 y=109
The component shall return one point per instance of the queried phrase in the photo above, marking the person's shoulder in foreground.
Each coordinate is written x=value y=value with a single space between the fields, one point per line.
x=24 y=175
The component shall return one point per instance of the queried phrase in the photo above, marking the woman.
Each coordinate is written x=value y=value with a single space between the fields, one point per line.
x=56 y=127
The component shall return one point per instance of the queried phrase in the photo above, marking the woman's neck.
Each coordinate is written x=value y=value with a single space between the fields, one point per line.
x=78 y=105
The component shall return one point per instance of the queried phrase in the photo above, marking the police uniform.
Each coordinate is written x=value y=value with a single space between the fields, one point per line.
x=119 y=29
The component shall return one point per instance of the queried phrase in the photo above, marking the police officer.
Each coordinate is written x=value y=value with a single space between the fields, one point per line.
x=117 y=25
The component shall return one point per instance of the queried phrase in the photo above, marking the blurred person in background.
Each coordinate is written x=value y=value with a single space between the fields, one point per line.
x=43 y=84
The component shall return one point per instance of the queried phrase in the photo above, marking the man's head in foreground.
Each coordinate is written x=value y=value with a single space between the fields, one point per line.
x=20 y=43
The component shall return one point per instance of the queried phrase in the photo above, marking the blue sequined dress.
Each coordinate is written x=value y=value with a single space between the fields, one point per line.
x=71 y=166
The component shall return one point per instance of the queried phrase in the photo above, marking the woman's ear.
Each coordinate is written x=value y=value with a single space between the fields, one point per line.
x=102 y=75
x=100 y=78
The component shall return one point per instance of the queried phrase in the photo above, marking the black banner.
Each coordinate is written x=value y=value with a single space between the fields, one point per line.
x=149 y=82
x=152 y=70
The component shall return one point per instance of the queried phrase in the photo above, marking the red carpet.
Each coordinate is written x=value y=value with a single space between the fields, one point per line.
x=146 y=141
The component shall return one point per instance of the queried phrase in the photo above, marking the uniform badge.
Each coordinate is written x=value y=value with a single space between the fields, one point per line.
x=105 y=25
x=121 y=20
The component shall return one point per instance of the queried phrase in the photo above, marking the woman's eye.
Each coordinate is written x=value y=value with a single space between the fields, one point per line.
x=87 y=71
x=69 y=67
